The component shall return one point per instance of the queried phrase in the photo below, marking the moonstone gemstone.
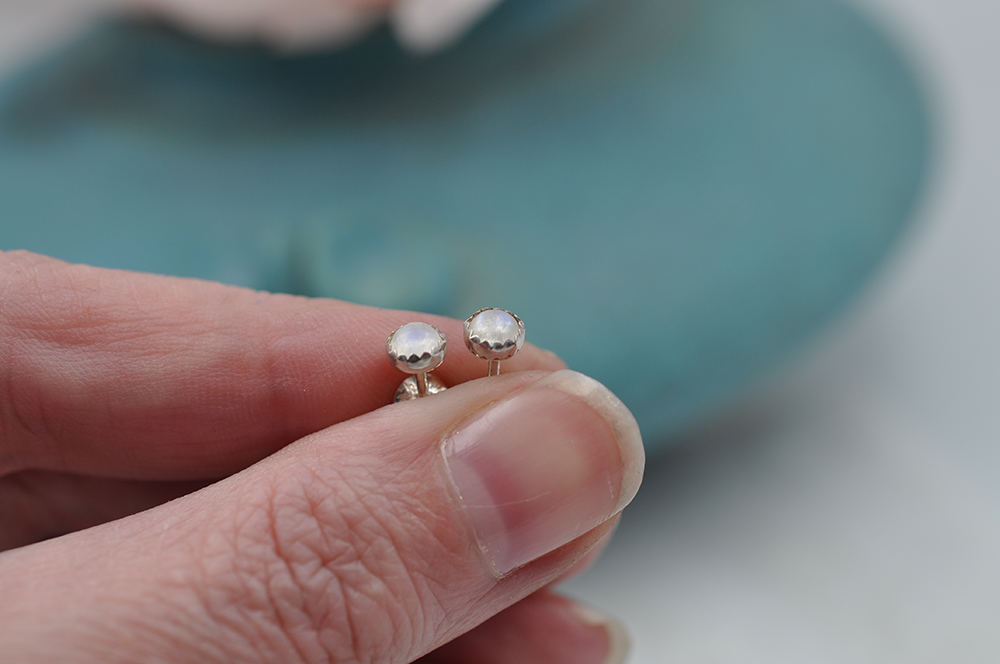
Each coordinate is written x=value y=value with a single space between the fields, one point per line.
x=494 y=334
x=416 y=348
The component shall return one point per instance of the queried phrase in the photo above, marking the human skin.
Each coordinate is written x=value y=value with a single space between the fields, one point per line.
x=192 y=472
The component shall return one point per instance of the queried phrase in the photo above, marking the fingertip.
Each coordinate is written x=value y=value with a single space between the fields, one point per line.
x=582 y=565
x=541 y=466
x=540 y=358
x=543 y=628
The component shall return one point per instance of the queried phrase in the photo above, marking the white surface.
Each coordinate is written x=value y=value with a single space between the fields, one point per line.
x=850 y=511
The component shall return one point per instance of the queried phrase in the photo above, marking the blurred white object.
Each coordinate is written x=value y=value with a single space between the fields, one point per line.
x=430 y=25
x=293 y=25
x=422 y=26
x=29 y=27
x=288 y=24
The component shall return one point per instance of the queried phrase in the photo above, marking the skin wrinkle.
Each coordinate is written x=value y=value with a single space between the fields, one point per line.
x=405 y=510
x=319 y=615
x=122 y=331
x=376 y=549
x=42 y=428
x=282 y=593
x=286 y=567
x=158 y=636
x=116 y=377
x=8 y=415
x=281 y=400
x=65 y=304
x=356 y=573
x=157 y=623
x=242 y=600
x=234 y=619
x=453 y=539
x=390 y=568
x=8 y=419
x=344 y=565
x=211 y=550
x=174 y=636
x=30 y=412
x=369 y=589
x=311 y=558
x=350 y=555
x=106 y=355
x=83 y=292
x=13 y=421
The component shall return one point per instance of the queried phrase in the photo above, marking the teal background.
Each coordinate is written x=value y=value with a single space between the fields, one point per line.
x=671 y=194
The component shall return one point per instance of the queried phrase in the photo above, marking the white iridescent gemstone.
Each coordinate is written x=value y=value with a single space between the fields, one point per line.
x=494 y=334
x=416 y=348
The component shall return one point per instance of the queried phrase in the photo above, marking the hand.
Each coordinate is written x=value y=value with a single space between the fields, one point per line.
x=421 y=25
x=342 y=529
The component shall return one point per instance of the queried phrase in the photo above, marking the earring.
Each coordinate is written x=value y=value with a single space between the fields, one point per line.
x=494 y=335
x=417 y=348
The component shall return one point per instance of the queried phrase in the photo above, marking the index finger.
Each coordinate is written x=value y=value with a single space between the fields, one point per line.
x=131 y=375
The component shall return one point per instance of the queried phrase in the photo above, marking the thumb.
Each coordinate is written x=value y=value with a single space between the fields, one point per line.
x=375 y=540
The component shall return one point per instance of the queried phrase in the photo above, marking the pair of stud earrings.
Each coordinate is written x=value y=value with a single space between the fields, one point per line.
x=419 y=348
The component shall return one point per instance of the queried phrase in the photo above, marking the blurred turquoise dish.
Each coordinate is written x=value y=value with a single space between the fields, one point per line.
x=671 y=193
